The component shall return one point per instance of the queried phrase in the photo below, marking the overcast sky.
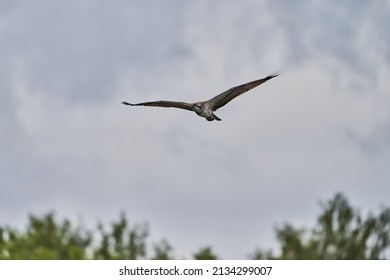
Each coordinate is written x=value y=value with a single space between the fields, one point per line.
x=322 y=127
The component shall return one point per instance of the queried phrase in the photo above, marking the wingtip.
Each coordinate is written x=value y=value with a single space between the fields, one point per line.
x=126 y=103
x=275 y=74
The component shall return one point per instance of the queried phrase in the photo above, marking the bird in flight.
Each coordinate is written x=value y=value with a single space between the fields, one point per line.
x=206 y=108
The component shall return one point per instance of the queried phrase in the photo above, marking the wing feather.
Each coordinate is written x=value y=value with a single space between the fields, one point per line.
x=162 y=103
x=227 y=96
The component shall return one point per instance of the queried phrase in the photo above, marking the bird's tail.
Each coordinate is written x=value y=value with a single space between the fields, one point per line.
x=216 y=118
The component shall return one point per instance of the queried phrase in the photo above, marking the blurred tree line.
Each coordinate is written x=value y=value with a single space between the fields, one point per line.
x=340 y=233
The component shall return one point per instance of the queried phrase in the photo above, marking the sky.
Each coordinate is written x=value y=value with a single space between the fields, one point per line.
x=68 y=145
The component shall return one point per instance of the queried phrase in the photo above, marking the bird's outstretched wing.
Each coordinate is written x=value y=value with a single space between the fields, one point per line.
x=226 y=96
x=162 y=103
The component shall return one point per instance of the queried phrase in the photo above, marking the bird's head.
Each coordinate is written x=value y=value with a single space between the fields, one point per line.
x=198 y=107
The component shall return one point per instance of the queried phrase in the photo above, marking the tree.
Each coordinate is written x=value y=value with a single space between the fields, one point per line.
x=49 y=239
x=205 y=253
x=163 y=251
x=340 y=233
x=123 y=242
x=44 y=238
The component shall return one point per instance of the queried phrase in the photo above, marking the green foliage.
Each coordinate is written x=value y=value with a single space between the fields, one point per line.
x=47 y=239
x=341 y=233
x=163 y=251
x=205 y=253
x=122 y=242
x=44 y=239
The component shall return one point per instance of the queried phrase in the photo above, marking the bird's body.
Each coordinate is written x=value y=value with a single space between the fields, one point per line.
x=207 y=108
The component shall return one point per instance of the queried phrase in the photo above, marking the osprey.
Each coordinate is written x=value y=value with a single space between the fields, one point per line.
x=206 y=108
